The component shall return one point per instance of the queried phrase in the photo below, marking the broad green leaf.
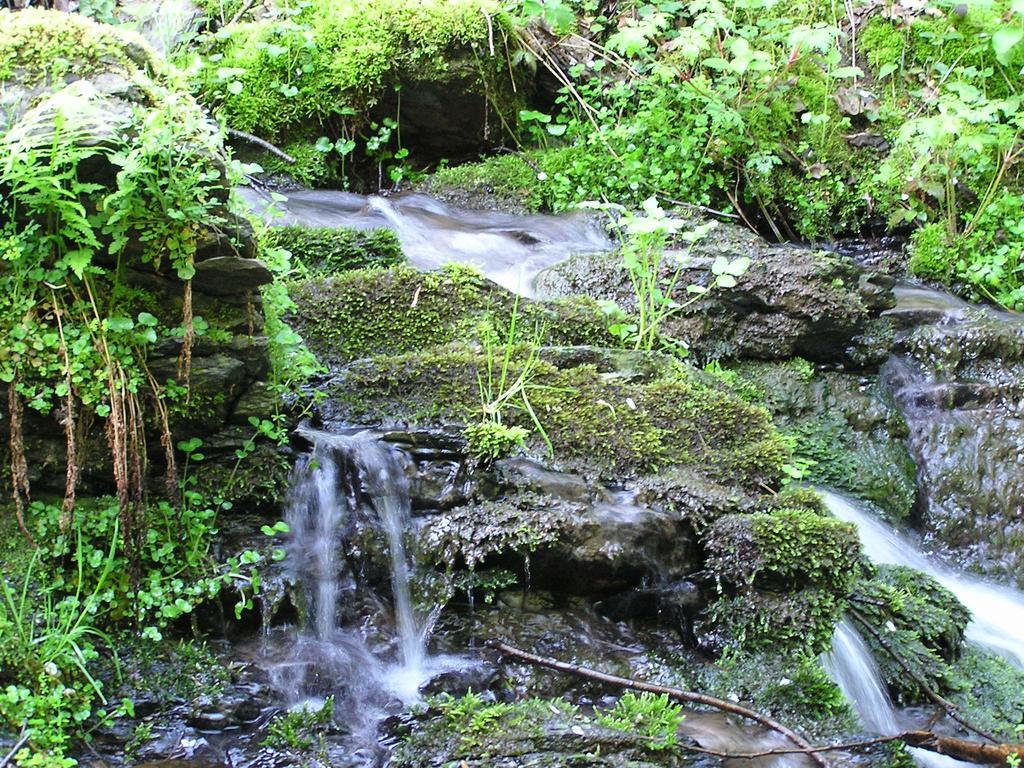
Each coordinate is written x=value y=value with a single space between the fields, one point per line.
x=1004 y=40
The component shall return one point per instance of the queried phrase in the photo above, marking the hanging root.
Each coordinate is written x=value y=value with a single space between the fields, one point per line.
x=124 y=430
x=166 y=438
x=189 y=338
x=67 y=419
x=19 y=465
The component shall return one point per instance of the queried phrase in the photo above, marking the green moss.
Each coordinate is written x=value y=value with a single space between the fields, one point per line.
x=45 y=48
x=388 y=311
x=504 y=182
x=331 y=251
x=929 y=627
x=597 y=423
x=474 y=730
x=759 y=620
x=795 y=691
x=931 y=257
x=784 y=549
x=330 y=61
x=882 y=42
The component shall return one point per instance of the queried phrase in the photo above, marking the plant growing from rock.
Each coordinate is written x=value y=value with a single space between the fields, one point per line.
x=654 y=717
x=654 y=281
x=505 y=383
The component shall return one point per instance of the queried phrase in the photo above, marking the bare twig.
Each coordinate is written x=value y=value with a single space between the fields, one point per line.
x=21 y=742
x=673 y=693
x=261 y=143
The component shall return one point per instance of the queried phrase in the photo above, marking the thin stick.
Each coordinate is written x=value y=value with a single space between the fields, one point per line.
x=16 y=748
x=261 y=143
x=673 y=693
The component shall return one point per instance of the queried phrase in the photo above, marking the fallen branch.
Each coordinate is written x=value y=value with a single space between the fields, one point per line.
x=948 y=706
x=242 y=11
x=961 y=749
x=21 y=742
x=673 y=693
x=261 y=143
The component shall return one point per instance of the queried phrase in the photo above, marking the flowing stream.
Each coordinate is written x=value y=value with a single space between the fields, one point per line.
x=997 y=622
x=341 y=480
x=510 y=250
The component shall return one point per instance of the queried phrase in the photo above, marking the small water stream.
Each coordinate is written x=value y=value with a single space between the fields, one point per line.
x=997 y=621
x=510 y=250
x=343 y=477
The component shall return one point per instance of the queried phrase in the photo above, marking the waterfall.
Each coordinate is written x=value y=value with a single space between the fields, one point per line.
x=997 y=622
x=341 y=479
x=852 y=668
x=997 y=612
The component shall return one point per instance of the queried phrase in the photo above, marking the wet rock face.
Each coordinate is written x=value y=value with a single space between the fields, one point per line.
x=959 y=384
x=845 y=426
x=792 y=301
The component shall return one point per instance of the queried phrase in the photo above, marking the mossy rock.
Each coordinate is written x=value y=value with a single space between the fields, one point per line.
x=333 y=250
x=435 y=74
x=598 y=424
x=507 y=182
x=784 y=549
x=479 y=732
x=760 y=620
x=795 y=690
x=927 y=627
x=387 y=311
x=844 y=428
x=43 y=51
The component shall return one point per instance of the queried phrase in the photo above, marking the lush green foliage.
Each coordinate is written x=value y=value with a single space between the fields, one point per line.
x=653 y=717
x=322 y=66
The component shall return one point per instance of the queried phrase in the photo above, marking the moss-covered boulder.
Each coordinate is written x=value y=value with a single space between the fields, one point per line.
x=597 y=422
x=783 y=549
x=845 y=429
x=389 y=311
x=326 y=250
x=366 y=79
x=922 y=622
x=761 y=620
x=41 y=52
x=482 y=733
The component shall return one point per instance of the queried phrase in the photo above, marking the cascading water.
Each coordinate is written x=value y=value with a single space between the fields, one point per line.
x=510 y=250
x=997 y=612
x=341 y=479
x=997 y=621
x=852 y=668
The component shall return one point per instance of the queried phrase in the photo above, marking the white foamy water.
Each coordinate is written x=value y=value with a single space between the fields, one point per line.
x=997 y=612
x=997 y=623
x=508 y=249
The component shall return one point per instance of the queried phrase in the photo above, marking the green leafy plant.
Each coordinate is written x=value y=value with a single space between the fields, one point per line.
x=654 y=717
x=654 y=281
x=506 y=383
x=301 y=729
x=491 y=440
